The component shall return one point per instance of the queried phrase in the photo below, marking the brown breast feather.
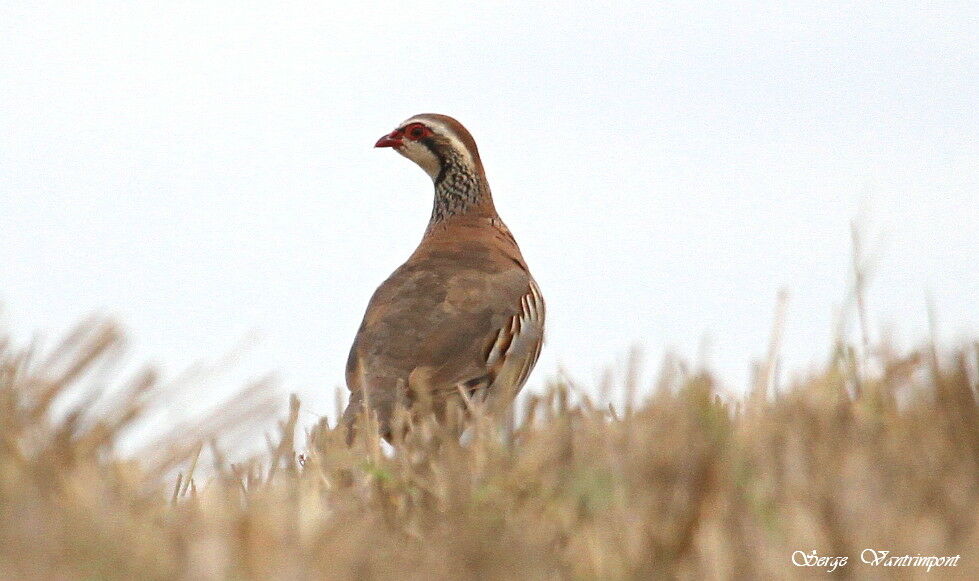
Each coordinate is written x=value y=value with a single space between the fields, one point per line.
x=462 y=311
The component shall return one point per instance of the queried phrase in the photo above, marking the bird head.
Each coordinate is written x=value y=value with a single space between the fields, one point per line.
x=434 y=142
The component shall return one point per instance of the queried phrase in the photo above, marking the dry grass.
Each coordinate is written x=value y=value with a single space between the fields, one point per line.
x=678 y=485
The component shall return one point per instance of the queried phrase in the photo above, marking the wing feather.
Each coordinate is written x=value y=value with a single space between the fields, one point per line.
x=517 y=347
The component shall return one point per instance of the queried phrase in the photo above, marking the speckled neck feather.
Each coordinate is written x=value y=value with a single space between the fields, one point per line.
x=459 y=189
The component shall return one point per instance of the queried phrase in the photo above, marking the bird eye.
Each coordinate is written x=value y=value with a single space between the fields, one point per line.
x=416 y=131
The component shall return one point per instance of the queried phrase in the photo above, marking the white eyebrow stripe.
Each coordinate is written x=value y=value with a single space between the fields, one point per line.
x=432 y=123
x=444 y=130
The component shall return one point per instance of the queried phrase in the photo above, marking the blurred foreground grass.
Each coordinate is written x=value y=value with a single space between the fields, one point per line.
x=681 y=484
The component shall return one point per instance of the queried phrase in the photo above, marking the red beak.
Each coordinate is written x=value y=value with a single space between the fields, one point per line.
x=392 y=139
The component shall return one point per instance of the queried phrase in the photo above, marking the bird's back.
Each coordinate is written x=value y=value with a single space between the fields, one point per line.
x=431 y=325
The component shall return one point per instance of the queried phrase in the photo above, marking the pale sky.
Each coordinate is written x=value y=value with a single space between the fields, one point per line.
x=204 y=172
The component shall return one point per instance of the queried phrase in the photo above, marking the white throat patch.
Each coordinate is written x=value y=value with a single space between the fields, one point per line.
x=422 y=156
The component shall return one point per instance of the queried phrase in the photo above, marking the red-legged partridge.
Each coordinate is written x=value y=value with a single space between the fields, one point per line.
x=463 y=315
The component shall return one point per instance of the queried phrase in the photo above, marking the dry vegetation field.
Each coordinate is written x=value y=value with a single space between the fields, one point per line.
x=683 y=484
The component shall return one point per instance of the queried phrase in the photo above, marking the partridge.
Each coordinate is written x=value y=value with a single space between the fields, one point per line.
x=463 y=317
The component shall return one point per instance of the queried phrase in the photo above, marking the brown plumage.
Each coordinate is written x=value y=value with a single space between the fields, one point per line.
x=463 y=314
